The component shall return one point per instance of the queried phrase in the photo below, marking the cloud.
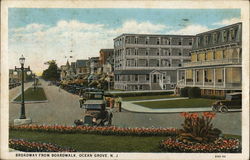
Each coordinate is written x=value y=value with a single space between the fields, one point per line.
x=225 y=22
x=30 y=28
x=39 y=42
x=190 y=30
x=132 y=26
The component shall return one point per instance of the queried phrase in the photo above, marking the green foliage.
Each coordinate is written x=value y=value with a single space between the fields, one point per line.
x=194 y=92
x=51 y=73
x=198 y=129
x=184 y=92
x=213 y=97
x=132 y=94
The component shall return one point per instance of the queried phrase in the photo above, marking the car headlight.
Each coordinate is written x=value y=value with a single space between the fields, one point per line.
x=94 y=120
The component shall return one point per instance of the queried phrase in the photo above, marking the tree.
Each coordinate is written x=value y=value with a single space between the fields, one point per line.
x=51 y=73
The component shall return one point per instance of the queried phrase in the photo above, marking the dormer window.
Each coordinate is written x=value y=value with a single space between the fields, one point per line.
x=232 y=34
x=224 y=36
x=214 y=38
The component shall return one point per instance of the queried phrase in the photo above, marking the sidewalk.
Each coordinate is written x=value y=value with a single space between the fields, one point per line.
x=131 y=107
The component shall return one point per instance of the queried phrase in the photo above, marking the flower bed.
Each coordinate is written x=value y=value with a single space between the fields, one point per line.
x=26 y=146
x=100 y=130
x=220 y=146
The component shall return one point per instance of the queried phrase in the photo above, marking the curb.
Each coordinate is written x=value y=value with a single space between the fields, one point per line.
x=164 y=112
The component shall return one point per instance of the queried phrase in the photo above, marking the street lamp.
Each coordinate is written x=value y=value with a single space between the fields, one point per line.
x=22 y=69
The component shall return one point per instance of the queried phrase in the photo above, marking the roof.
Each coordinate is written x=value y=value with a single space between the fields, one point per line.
x=126 y=72
x=107 y=50
x=161 y=35
x=235 y=93
x=214 y=30
x=81 y=63
x=94 y=102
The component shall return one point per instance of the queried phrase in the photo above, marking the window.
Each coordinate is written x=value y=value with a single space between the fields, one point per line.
x=232 y=34
x=136 y=40
x=180 y=65
x=214 y=37
x=147 y=77
x=190 y=43
x=179 y=43
x=158 y=41
x=179 y=54
x=224 y=36
x=136 y=77
x=146 y=41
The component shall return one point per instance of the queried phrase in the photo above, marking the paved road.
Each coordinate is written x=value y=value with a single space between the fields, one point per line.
x=63 y=108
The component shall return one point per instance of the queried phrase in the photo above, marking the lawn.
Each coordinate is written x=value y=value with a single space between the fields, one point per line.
x=137 y=98
x=181 y=103
x=92 y=142
x=33 y=95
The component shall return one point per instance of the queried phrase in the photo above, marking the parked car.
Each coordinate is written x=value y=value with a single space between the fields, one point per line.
x=232 y=101
x=96 y=111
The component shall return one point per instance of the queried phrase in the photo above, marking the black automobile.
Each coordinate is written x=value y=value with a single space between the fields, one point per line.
x=232 y=101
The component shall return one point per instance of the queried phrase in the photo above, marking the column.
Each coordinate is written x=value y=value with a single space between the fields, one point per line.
x=203 y=77
x=193 y=76
x=185 y=77
x=224 y=77
x=178 y=75
x=214 y=77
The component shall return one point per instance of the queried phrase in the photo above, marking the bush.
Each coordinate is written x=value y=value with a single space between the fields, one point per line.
x=194 y=92
x=133 y=94
x=213 y=97
x=184 y=92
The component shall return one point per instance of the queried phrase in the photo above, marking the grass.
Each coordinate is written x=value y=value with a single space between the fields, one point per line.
x=92 y=142
x=182 y=103
x=33 y=95
x=135 y=98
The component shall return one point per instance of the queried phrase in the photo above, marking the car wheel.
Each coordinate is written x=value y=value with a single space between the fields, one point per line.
x=215 y=109
x=224 y=109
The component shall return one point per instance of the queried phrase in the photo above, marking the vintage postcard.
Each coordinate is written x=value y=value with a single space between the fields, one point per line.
x=124 y=80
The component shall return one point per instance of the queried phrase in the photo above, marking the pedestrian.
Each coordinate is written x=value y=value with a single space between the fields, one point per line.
x=119 y=104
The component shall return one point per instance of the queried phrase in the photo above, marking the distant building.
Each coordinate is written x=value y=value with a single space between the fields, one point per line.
x=148 y=61
x=94 y=65
x=82 y=68
x=67 y=72
x=106 y=59
x=215 y=65
x=16 y=76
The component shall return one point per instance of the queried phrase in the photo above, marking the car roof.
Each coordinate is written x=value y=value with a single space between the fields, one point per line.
x=94 y=102
x=235 y=93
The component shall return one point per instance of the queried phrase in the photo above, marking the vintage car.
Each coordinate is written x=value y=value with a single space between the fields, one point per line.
x=232 y=101
x=95 y=110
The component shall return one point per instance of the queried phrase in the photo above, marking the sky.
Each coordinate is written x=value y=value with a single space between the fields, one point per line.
x=43 y=34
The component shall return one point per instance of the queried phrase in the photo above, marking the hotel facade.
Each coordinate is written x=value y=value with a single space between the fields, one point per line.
x=215 y=65
x=149 y=62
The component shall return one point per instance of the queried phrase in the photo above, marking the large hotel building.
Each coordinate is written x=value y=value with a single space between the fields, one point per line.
x=149 y=62
x=215 y=65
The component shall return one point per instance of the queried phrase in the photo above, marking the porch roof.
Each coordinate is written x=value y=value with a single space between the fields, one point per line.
x=128 y=72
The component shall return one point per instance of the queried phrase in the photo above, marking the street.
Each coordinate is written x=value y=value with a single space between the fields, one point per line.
x=63 y=108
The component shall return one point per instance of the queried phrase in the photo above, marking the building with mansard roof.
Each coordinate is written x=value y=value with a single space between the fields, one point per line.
x=215 y=64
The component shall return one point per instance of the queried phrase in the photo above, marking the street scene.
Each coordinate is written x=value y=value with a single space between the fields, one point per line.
x=135 y=81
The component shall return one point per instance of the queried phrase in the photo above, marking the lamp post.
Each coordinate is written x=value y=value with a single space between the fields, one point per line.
x=34 y=77
x=22 y=69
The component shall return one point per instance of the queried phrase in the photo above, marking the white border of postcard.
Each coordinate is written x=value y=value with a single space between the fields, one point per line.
x=243 y=5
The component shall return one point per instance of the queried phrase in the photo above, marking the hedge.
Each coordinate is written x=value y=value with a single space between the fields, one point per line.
x=184 y=92
x=194 y=92
x=133 y=94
